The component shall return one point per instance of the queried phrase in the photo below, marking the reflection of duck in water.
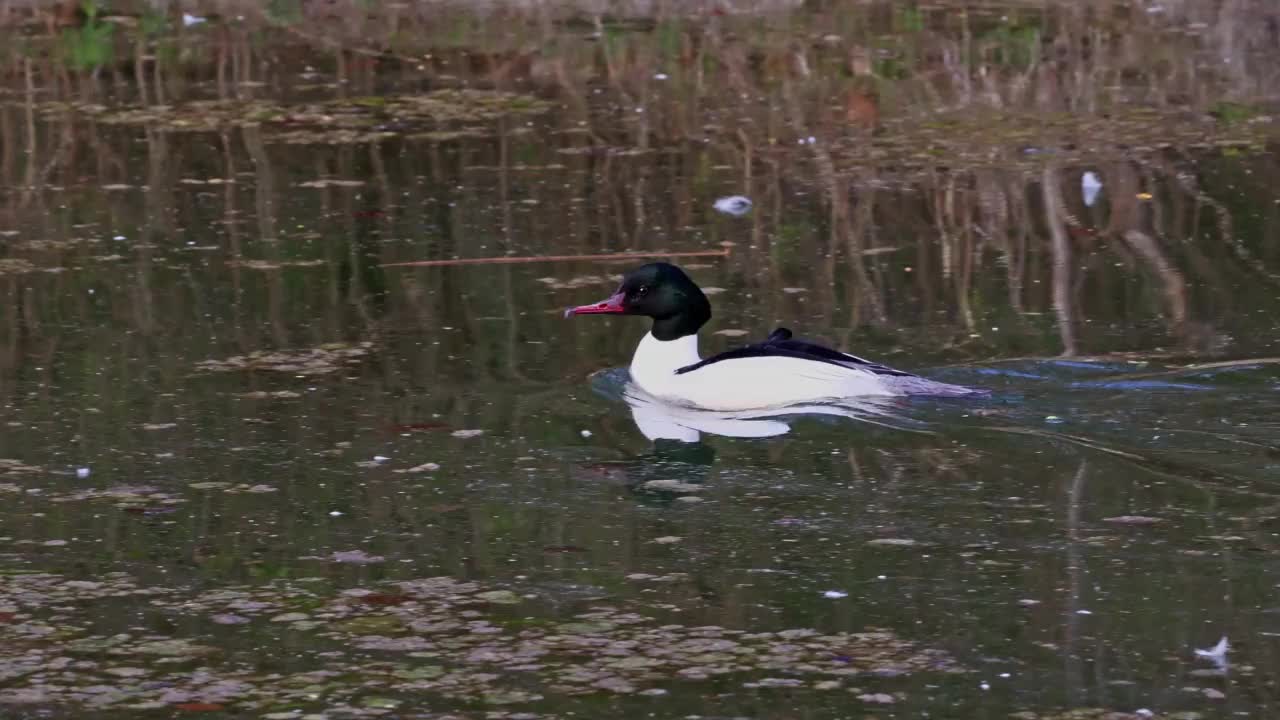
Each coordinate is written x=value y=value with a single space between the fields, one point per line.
x=671 y=466
x=773 y=374
x=679 y=461
x=676 y=463
x=661 y=421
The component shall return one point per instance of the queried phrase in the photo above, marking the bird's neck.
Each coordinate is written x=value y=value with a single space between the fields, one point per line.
x=655 y=359
x=694 y=313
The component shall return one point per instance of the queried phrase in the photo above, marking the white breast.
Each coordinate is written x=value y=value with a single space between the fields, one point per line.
x=744 y=383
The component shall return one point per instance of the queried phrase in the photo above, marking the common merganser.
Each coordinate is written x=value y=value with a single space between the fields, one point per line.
x=775 y=373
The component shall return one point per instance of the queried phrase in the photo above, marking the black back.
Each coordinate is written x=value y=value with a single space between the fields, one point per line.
x=780 y=344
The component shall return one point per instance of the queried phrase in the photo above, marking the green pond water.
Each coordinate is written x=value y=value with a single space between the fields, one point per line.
x=251 y=467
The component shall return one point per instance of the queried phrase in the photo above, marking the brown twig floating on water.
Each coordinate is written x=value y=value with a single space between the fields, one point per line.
x=557 y=258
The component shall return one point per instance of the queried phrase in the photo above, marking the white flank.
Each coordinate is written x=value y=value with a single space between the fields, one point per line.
x=745 y=383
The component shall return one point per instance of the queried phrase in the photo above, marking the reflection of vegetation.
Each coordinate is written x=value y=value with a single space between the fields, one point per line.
x=356 y=120
x=932 y=240
x=89 y=46
x=1014 y=47
x=152 y=23
x=908 y=19
x=959 y=111
x=1027 y=140
x=1231 y=113
x=283 y=11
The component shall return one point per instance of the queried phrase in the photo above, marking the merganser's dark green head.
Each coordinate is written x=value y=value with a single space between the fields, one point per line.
x=660 y=291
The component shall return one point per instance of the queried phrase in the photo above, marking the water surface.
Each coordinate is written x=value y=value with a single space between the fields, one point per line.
x=253 y=468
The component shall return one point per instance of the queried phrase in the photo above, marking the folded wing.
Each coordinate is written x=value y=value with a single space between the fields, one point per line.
x=781 y=344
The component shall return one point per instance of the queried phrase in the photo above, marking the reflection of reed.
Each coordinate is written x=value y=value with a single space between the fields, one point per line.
x=956 y=242
x=29 y=115
x=849 y=234
x=1063 y=268
x=938 y=256
x=1073 y=665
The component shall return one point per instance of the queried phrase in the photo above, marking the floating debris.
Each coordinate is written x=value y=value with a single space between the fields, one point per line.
x=770 y=682
x=894 y=542
x=578 y=281
x=1216 y=654
x=674 y=486
x=335 y=136
x=500 y=597
x=15 y=266
x=1133 y=520
x=440 y=136
x=331 y=182
x=275 y=264
x=464 y=434
x=338 y=121
x=123 y=496
x=1090 y=186
x=424 y=467
x=418 y=427
x=735 y=205
x=229 y=619
x=290 y=617
x=357 y=557
x=439 y=636
x=17 y=467
x=320 y=360
x=270 y=395
x=250 y=489
x=646 y=577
